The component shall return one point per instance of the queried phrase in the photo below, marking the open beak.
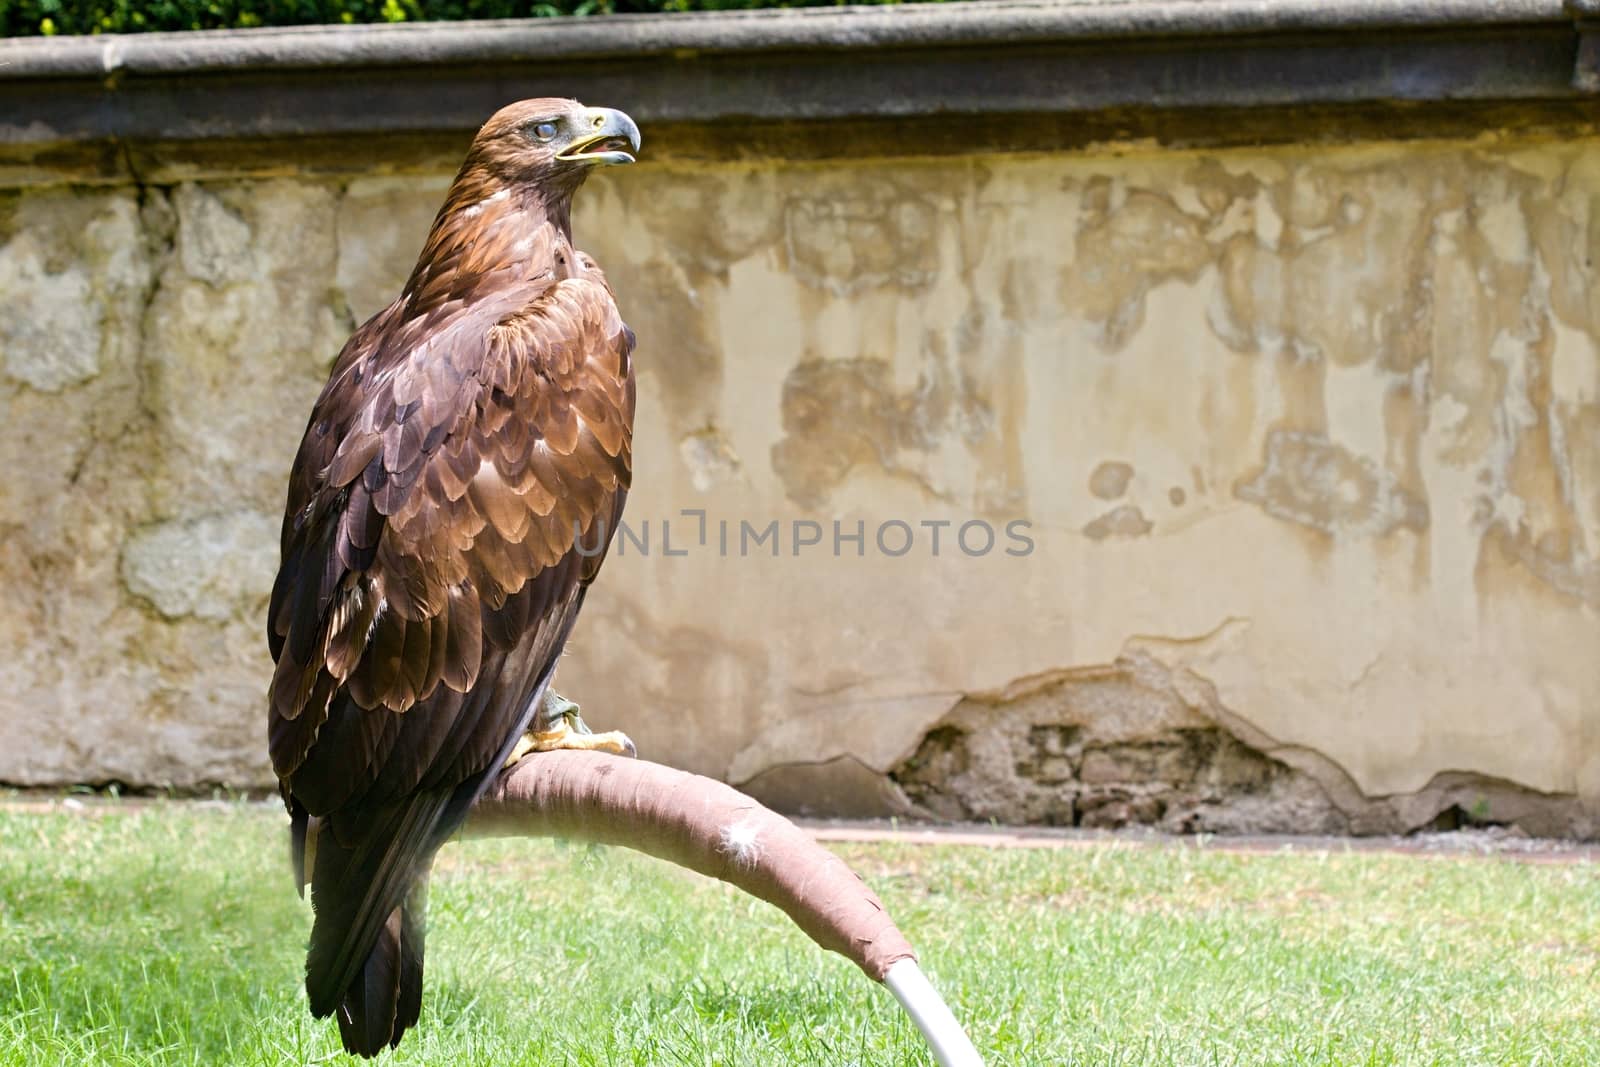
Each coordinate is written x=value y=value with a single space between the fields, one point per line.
x=611 y=138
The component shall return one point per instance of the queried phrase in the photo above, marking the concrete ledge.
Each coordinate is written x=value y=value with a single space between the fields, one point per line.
x=1009 y=75
x=998 y=22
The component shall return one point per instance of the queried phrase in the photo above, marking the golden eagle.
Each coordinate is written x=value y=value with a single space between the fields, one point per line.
x=460 y=478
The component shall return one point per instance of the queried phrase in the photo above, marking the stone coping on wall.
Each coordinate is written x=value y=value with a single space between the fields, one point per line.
x=998 y=75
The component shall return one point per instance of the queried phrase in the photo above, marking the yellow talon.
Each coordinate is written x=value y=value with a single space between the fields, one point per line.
x=523 y=747
x=564 y=736
x=567 y=731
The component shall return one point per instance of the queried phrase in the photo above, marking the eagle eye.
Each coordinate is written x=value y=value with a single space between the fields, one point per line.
x=545 y=131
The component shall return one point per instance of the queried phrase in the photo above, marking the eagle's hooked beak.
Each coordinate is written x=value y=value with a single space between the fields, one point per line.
x=608 y=138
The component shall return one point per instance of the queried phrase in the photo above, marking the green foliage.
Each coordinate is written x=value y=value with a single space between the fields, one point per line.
x=168 y=935
x=24 y=18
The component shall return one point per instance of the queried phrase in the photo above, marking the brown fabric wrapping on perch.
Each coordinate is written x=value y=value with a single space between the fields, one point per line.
x=700 y=824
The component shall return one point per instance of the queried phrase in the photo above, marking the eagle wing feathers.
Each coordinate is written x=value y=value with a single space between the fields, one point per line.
x=464 y=471
x=431 y=573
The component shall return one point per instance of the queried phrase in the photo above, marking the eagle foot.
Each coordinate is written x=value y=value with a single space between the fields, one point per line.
x=558 y=725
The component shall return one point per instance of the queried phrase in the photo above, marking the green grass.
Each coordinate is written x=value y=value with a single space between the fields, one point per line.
x=170 y=935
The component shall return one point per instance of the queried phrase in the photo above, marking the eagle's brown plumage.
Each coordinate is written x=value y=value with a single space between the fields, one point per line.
x=470 y=435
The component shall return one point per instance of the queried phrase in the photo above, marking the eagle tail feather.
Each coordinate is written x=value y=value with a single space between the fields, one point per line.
x=357 y=958
x=408 y=1000
x=368 y=1012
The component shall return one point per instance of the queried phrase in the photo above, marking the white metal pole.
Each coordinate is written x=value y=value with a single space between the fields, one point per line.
x=950 y=1044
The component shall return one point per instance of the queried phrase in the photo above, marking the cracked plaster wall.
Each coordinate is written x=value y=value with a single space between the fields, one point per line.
x=1311 y=439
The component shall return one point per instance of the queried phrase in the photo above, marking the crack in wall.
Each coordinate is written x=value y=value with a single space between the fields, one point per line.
x=1106 y=747
x=1140 y=742
x=1132 y=744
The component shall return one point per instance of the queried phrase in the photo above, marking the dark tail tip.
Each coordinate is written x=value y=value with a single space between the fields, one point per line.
x=385 y=998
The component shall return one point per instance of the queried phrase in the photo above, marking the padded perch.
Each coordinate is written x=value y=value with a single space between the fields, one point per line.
x=716 y=830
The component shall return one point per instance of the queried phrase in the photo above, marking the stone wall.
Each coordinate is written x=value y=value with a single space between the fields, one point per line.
x=1291 y=460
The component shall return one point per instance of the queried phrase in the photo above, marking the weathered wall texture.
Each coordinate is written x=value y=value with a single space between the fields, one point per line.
x=1309 y=444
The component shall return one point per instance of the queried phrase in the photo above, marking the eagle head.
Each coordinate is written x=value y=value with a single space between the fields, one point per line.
x=552 y=142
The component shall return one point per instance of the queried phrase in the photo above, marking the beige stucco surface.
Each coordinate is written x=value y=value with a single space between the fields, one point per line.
x=1314 y=436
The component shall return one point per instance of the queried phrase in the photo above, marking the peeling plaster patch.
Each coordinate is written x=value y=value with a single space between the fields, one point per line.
x=1315 y=290
x=1110 y=479
x=681 y=350
x=210 y=568
x=709 y=218
x=842 y=414
x=1551 y=559
x=1309 y=480
x=710 y=459
x=862 y=236
x=1125 y=521
x=1502 y=224
x=1269 y=224
x=50 y=333
x=1131 y=242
